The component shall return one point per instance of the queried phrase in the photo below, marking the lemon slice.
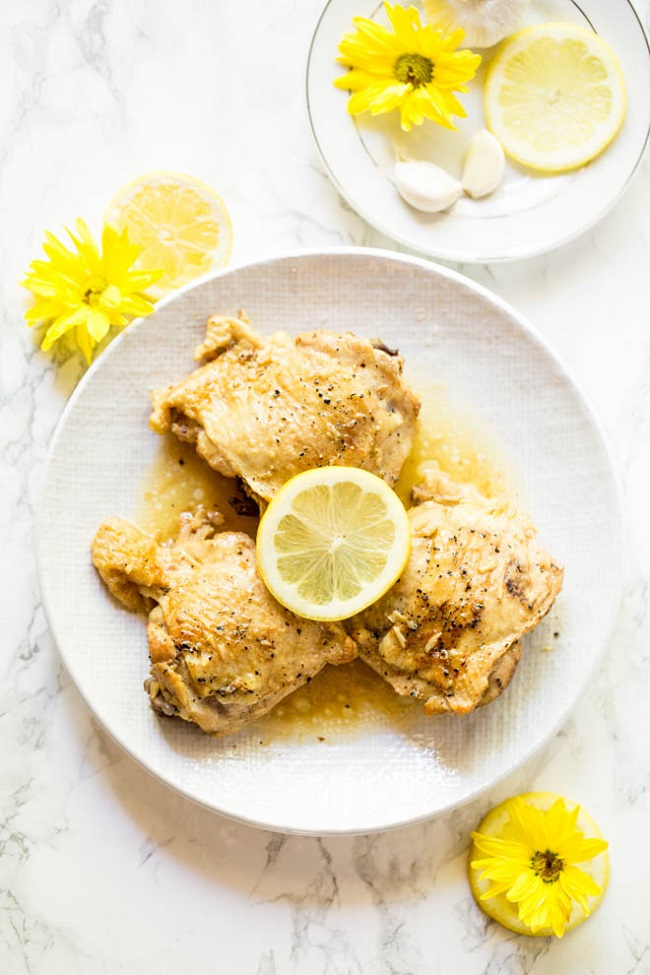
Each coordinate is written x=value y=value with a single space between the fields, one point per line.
x=332 y=541
x=181 y=225
x=499 y=907
x=554 y=96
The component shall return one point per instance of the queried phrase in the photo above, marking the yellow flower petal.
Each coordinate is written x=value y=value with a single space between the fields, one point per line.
x=495 y=890
x=111 y=297
x=42 y=310
x=137 y=305
x=587 y=850
x=501 y=871
x=61 y=325
x=526 y=885
x=501 y=847
x=411 y=68
x=405 y=21
x=433 y=104
x=375 y=100
x=97 y=324
x=84 y=243
x=140 y=280
x=579 y=885
x=85 y=343
x=86 y=289
x=531 y=846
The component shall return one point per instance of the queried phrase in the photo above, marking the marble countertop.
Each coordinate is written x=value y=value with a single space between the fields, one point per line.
x=103 y=869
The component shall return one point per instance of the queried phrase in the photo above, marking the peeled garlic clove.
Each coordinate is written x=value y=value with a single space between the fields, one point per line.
x=425 y=186
x=484 y=165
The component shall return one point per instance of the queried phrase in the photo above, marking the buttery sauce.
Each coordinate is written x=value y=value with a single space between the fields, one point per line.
x=340 y=702
x=179 y=481
x=461 y=444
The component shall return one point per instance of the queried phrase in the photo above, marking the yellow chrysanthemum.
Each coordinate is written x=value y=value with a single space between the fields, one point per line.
x=85 y=289
x=532 y=860
x=411 y=67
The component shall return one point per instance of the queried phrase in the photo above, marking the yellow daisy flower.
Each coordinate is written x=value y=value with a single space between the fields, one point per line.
x=85 y=290
x=411 y=67
x=533 y=861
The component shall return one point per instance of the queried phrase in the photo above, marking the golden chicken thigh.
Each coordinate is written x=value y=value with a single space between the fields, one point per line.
x=263 y=408
x=475 y=583
x=223 y=651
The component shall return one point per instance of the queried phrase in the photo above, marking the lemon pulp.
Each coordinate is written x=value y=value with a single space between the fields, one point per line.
x=332 y=541
x=180 y=224
x=554 y=96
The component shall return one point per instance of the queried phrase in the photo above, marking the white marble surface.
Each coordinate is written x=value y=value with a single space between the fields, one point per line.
x=102 y=868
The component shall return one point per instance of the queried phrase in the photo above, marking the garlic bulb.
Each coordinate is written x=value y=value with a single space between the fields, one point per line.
x=484 y=165
x=425 y=186
x=485 y=22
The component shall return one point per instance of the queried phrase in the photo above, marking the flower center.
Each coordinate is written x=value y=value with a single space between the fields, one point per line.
x=548 y=866
x=95 y=288
x=413 y=69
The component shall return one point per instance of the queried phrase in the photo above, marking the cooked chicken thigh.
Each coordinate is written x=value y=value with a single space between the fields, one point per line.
x=475 y=583
x=223 y=651
x=263 y=408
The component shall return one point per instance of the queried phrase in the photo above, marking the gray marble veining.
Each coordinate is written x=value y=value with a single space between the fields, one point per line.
x=102 y=868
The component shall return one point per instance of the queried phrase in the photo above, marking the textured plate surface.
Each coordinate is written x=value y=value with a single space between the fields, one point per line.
x=456 y=334
x=528 y=214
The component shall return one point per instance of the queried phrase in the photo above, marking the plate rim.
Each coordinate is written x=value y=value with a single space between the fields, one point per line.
x=525 y=325
x=437 y=253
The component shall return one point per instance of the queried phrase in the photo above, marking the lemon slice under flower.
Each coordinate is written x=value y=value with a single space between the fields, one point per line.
x=554 y=96
x=332 y=541
x=494 y=826
x=180 y=224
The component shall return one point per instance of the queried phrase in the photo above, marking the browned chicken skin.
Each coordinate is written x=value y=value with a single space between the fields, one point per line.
x=475 y=583
x=263 y=408
x=223 y=651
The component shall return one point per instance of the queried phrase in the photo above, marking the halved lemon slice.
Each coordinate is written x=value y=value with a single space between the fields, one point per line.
x=554 y=96
x=506 y=912
x=181 y=225
x=332 y=541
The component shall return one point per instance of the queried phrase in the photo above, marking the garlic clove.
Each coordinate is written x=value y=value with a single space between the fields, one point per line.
x=425 y=186
x=484 y=166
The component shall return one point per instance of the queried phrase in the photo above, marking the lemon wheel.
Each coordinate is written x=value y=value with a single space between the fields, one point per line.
x=554 y=96
x=332 y=541
x=506 y=912
x=180 y=224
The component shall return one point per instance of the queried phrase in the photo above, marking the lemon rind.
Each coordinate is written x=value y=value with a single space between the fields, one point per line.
x=223 y=251
x=509 y=144
x=504 y=911
x=337 y=609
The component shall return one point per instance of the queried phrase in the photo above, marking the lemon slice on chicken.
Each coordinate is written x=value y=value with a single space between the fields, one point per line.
x=332 y=541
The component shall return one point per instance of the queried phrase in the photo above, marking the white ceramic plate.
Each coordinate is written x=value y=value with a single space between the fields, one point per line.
x=449 y=330
x=528 y=214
